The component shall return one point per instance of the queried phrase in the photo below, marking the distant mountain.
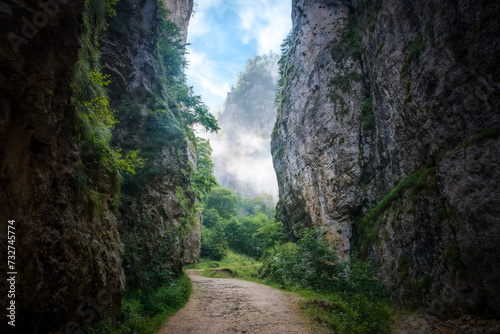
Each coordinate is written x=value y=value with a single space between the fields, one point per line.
x=242 y=154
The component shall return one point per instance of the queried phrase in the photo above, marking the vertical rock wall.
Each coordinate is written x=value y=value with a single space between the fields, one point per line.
x=67 y=249
x=387 y=132
x=157 y=225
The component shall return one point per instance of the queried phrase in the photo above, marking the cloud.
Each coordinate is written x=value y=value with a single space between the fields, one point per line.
x=268 y=22
x=203 y=74
x=224 y=34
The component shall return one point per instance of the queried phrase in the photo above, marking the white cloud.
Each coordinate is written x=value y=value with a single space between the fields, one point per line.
x=202 y=74
x=266 y=21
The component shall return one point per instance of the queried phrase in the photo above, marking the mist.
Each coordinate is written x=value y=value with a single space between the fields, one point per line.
x=242 y=148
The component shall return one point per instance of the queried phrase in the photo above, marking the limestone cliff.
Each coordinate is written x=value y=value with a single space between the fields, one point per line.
x=68 y=255
x=59 y=176
x=157 y=222
x=181 y=11
x=387 y=132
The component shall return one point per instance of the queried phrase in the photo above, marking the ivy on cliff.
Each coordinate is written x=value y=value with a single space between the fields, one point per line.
x=95 y=117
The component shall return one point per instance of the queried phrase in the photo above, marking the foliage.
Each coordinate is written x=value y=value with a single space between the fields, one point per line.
x=368 y=114
x=271 y=234
x=417 y=46
x=341 y=295
x=348 y=313
x=213 y=243
x=350 y=44
x=369 y=225
x=240 y=266
x=95 y=118
x=283 y=67
x=203 y=180
x=224 y=202
x=344 y=81
x=307 y=263
x=145 y=311
x=242 y=234
x=345 y=297
x=286 y=72
x=172 y=53
x=256 y=70
x=261 y=203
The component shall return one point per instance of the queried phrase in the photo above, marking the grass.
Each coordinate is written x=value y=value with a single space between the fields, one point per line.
x=145 y=311
x=236 y=265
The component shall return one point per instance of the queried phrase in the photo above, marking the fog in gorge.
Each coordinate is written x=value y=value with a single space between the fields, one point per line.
x=241 y=149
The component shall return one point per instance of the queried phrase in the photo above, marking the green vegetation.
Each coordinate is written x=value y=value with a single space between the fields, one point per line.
x=286 y=73
x=154 y=122
x=408 y=98
x=370 y=224
x=145 y=311
x=372 y=8
x=350 y=44
x=345 y=297
x=344 y=81
x=458 y=45
x=239 y=224
x=491 y=133
x=368 y=121
x=378 y=51
x=232 y=265
x=101 y=165
x=417 y=46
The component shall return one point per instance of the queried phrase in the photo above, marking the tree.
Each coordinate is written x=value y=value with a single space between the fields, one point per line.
x=203 y=179
x=224 y=201
x=271 y=234
x=213 y=243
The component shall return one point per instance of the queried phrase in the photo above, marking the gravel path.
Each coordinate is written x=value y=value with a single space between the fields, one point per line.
x=219 y=305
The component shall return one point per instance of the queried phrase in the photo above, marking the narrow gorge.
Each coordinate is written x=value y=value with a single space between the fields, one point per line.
x=387 y=134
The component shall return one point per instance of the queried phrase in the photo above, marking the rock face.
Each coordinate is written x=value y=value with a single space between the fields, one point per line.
x=241 y=149
x=387 y=132
x=158 y=225
x=181 y=14
x=68 y=254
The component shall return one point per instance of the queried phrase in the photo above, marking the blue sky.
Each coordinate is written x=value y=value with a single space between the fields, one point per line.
x=223 y=34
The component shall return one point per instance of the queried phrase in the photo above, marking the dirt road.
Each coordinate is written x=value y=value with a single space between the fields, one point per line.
x=219 y=305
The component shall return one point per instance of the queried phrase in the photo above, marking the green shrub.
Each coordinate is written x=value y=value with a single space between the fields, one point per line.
x=213 y=243
x=307 y=263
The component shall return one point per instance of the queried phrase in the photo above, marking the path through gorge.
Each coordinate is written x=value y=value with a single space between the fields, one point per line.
x=220 y=305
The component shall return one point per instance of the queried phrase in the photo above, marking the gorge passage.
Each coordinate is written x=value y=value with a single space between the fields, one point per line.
x=387 y=134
